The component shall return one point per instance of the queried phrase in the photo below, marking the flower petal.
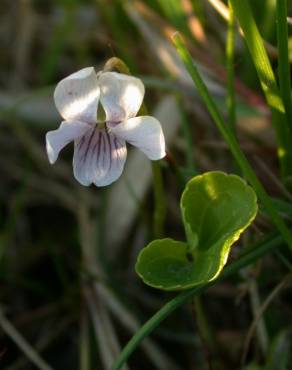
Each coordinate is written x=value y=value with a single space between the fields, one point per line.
x=145 y=133
x=121 y=95
x=99 y=158
x=76 y=96
x=68 y=131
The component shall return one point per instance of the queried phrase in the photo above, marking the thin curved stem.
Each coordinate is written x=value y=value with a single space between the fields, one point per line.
x=116 y=64
x=160 y=204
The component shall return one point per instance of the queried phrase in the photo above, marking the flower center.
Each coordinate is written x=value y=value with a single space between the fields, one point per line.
x=101 y=124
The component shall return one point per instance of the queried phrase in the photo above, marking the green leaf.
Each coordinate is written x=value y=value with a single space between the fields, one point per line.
x=216 y=209
x=164 y=264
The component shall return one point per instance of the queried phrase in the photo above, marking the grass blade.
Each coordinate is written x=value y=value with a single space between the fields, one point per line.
x=230 y=69
x=258 y=53
x=283 y=59
x=230 y=139
x=26 y=348
x=268 y=82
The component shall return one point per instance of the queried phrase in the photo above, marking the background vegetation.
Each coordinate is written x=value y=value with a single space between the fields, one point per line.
x=69 y=295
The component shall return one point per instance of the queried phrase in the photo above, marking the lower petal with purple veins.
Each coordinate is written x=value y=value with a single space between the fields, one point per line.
x=99 y=158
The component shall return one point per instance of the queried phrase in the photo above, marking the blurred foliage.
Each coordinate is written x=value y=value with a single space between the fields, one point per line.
x=69 y=295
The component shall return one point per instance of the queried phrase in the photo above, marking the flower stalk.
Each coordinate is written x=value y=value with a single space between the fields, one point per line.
x=116 y=64
x=160 y=204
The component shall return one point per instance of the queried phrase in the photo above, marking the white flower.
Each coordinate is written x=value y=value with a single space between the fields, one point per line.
x=100 y=147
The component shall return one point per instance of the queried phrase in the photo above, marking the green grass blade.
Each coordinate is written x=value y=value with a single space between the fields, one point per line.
x=230 y=139
x=230 y=69
x=268 y=82
x=172 y=9
x=258 y=53
x=283 y=59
